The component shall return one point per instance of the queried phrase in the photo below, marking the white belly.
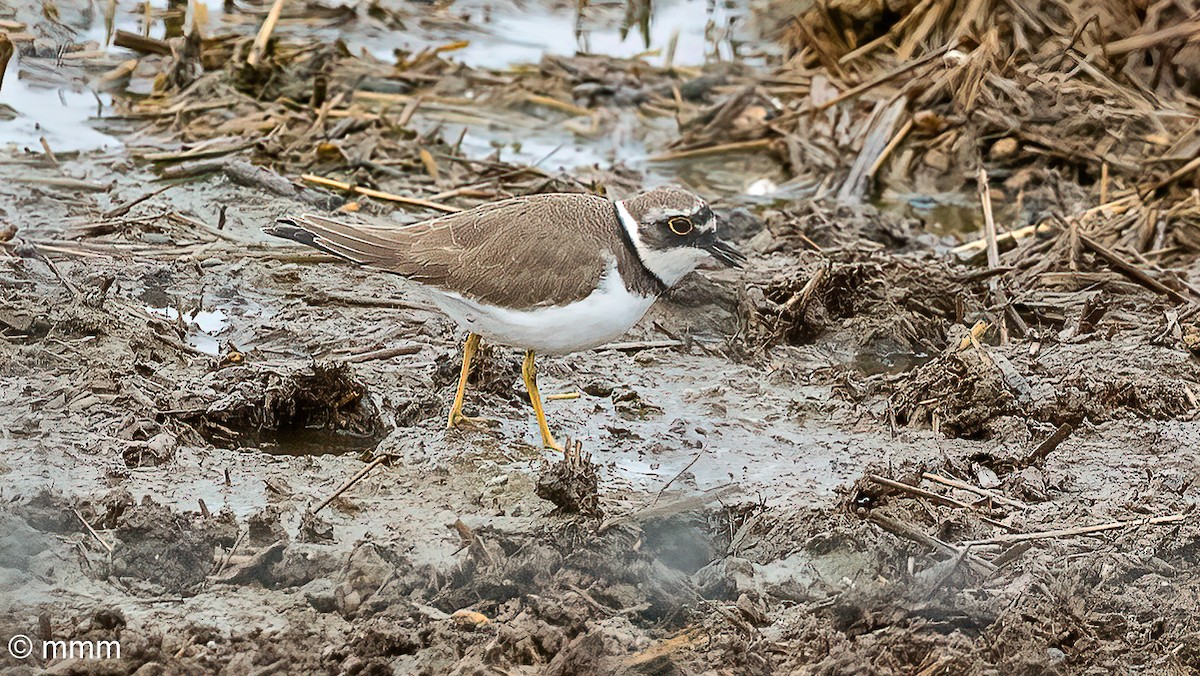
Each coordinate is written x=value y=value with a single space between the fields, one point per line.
x=603 y=316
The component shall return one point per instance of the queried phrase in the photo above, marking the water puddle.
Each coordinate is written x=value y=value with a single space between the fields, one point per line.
x=498 y=35
x=204 y=326
x=699 y=435
x=943 y=214
x=501 y=37
x=309 y=441
x=776 y=465
x=61 y=114
x=524 y=139
x=870 y=362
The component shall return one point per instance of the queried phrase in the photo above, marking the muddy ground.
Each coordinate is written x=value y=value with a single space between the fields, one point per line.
x=182 y=397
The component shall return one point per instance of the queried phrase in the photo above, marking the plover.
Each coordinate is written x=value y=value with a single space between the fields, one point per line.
x=550 y=273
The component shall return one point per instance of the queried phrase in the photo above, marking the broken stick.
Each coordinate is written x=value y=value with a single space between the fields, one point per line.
x=139 y=43
x=970 y=488
x=353 y=480
x=379 y=194
x=1076 y=530
x=910 y=532
x=1132 y=271
x=264 y=34
x=1038 y=455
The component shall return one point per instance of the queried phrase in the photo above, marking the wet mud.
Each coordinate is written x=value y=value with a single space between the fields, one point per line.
x=878 y=448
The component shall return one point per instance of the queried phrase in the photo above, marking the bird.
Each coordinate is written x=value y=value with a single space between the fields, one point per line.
x=548 y=273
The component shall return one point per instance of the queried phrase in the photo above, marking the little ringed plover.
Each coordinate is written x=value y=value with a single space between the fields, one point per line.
x=551 y=273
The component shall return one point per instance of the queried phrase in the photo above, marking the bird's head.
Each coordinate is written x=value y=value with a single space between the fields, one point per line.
x=673 y=231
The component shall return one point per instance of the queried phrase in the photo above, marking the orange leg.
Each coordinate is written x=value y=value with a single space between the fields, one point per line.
x=456 y=414
x=529 y=373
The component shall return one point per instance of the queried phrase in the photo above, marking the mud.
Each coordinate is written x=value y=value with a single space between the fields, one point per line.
x=183 y=400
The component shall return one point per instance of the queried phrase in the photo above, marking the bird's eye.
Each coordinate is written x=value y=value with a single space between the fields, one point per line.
x=680 y=225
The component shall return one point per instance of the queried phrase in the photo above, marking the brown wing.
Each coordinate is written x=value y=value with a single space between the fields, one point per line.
x=521 y=253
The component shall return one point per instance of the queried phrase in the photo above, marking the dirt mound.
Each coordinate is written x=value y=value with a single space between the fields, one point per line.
x=963 y=391
x=572 y=484
x=149 y=545
x=250 y=406
x=958 y=392
x=168 y=550
x=885 y=303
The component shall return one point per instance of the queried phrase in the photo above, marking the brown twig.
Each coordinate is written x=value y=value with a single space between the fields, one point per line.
x=993 y=252
x=49 y=152
x=970 y=488
x=1044 y=449
x=140 y=43
x=91 y=530
x=871 y=84
x=637 y=345
x=124 y=207
x=1131 y=271
x=264 y=34
x=379 y=194
x=918 y=492
x=385 y=353
x=353 y=480
x=910 y=532
x=1076 y=530
x=677 y=475
x=229 y=554
x=706 y=151
x=683 y=505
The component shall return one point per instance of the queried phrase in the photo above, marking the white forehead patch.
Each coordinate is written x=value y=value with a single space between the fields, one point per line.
x=661 y=214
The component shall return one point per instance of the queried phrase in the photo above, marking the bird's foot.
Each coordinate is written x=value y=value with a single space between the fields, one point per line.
x=458 y=419
x=549 y=442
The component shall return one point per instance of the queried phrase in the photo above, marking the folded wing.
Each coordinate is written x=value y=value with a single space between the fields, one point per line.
x=521 y=253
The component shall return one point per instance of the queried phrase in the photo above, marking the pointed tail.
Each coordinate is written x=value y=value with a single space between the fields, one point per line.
x=339 y=239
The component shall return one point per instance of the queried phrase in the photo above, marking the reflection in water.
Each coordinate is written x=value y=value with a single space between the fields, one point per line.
x=208 y=324
x=59 y=114
x=705 y=30
x=942 y=214
x=752 y=176
x=499 y=35
x=870 y=361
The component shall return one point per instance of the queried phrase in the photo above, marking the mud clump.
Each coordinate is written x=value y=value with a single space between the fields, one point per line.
x=171 y=551
x=965 y=389
x=958 y=393
x=1095 y=400
x=885 y=303
x=494 y=370
x=572 y=484
x=801 y=225
x=323 y=405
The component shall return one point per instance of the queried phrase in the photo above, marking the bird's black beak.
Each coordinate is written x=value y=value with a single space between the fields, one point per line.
x=725 y=253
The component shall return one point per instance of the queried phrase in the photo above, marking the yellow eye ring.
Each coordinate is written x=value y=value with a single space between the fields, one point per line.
x=680 y=225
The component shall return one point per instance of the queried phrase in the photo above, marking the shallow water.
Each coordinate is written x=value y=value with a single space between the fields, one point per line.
x=942 y=214
x=63 y=115
x=706 y=425
x=204 y=326
x=703 y=31
x=499 y=36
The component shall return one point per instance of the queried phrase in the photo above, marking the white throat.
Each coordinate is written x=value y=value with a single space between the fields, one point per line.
x=669 y=265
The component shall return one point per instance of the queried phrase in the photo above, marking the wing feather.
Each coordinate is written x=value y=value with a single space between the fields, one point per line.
x=521 y=253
